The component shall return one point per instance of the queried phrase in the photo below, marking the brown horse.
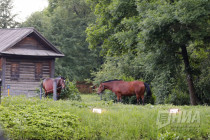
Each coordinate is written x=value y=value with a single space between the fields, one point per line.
x=123 y=88
x=47 y=84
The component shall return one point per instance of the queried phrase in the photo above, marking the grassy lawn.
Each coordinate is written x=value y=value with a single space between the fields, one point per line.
x=30 y=118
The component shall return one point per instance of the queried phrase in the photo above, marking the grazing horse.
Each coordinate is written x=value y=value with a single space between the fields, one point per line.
x=47 y=84
x=123 y=88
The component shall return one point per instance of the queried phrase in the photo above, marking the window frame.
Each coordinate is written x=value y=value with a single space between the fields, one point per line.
x=15 y=71
x=38 y=71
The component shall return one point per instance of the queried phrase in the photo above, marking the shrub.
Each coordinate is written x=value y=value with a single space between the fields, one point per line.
x=109 y=96
x=178 y=98
x=33 y=119
x=70 y=92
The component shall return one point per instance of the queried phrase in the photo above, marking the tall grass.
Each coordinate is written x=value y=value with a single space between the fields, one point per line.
x=48 y=119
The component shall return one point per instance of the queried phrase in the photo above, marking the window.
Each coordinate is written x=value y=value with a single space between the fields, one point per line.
x=38 y=71
x=14 y=71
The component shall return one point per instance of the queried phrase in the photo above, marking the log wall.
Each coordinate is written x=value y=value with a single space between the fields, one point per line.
x=30 y=43
x=27 y=80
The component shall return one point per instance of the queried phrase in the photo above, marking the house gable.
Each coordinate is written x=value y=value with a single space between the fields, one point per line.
x=26 y=42
x=30 y=43
x=26 y=57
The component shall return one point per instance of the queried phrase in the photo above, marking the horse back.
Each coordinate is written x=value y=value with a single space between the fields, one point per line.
x=137 y=84
x=132 y=87
x=48 y=84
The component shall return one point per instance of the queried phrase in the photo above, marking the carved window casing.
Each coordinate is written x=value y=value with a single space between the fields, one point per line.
x=38 y=71
x=15 y=71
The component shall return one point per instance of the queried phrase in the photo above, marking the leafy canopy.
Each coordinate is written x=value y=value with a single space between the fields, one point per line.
x=154 y=31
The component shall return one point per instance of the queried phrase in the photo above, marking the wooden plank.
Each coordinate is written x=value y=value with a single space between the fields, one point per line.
x=52 y=68
x=26 y=80
x=31 y=43
x=24 y=86
x=3 y=72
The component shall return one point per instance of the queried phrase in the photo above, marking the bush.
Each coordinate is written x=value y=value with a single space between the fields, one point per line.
x=32 y=118
x=109 y=96
x=178 y=98
x=70 y=92
x=24 y=118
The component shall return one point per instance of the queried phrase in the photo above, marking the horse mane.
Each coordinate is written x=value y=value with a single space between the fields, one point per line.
x=112 y=80
x=57 y=79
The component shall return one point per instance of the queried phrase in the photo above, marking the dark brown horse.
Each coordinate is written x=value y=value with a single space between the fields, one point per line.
x=123 y=88
x=47 y=84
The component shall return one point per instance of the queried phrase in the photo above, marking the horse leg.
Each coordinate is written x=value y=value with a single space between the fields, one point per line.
x=138 y=99
x=58 y=95
x=45 y=95
x=119 y=97
x=142 y=98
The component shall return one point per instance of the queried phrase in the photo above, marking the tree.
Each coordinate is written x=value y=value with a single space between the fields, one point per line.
x=174 y=26
x=6 y=17
x=40 y=21
x=69 y=21
x=162 y=29
x=115 y=28
x=64 y=22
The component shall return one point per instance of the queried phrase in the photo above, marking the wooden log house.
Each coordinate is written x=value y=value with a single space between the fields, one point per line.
x=26 y=57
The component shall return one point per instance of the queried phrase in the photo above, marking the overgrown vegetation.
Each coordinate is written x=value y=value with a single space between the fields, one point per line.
x=64 y=23
x=164 y=43
x=70 y=91
x=31 y=118
x=161 y=41
x=7 y=19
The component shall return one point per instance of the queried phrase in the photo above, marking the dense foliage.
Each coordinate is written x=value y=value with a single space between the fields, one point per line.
x=31 y=118
x=64 y=24
x=70 y=91
x=164 y=40
x=6 y=17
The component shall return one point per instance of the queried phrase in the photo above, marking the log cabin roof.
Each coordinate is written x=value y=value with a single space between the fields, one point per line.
x=10 y=38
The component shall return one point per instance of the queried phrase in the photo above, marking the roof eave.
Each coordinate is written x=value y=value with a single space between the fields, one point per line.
x=55 y=56
x=33 y=30
x=46 y=41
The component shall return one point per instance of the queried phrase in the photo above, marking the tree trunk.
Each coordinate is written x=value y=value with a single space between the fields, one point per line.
x=193 y=99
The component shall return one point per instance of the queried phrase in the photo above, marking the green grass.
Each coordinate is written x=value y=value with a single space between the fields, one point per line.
x=30 y=118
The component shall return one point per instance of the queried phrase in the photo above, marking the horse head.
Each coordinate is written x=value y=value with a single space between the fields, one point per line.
x=61 y=82
x=100 y=88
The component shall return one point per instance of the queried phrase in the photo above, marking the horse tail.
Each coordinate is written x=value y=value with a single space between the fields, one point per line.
x=148 y=90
